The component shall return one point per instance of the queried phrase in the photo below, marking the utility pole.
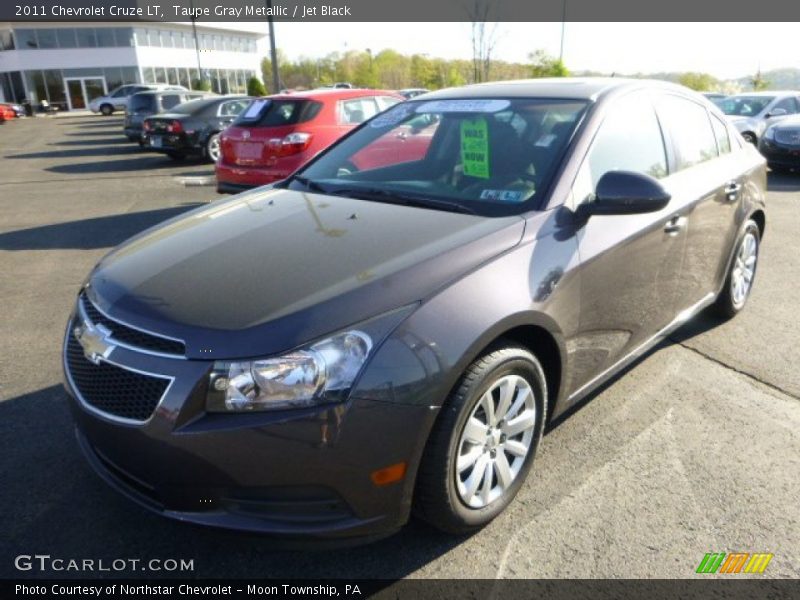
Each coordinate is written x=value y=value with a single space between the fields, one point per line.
x=563 y=26
x=273 y=53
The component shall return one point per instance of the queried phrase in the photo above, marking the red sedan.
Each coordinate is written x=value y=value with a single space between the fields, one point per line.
x=278 y=134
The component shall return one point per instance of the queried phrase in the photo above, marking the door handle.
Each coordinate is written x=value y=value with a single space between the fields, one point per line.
x=732 y=190
x=675 y=225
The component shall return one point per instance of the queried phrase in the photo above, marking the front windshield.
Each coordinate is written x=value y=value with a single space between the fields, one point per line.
x=488 y=156
x=745 y=106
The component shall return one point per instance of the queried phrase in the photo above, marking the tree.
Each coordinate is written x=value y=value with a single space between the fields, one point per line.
x=255 y=87
x=484 y=39
x=203 y=85
x=544 y=65
x=701 y=82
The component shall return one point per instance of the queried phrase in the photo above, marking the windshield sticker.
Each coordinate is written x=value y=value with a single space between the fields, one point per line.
x=545 y=140
x=475 y=147
x=392 y=117
x=462 y=106
x=255 y=108
x=502 y=195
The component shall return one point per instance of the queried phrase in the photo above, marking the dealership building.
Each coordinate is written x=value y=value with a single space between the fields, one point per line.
x=69 y=64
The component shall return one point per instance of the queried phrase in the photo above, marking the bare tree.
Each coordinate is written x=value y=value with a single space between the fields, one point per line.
x=484 y=39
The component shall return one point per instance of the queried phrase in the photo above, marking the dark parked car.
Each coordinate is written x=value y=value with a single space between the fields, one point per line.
x=193 y=127
x=321 y=357
x=780 y=144
x=409 y=93
x=145 y=104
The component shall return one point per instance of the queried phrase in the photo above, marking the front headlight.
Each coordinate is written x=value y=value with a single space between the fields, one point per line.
x=769 y=134
x=320 y=373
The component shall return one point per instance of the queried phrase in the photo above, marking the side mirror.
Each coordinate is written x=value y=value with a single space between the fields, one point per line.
x=776 y=112
x=627 y=193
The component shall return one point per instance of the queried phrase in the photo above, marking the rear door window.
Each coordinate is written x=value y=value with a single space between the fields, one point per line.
x=721 y=133
x=689 y=129
x=232 y=108
x=357 y=110
x=385 y=102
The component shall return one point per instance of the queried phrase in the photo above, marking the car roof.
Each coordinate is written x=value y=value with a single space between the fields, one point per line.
x=156 y=92
x=578 y=88
x=334 y=94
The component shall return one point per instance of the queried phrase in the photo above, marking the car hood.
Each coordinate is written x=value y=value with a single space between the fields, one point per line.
x=269 y=270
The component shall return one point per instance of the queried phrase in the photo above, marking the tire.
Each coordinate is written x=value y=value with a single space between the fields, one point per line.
x=750 y=138
x=107 y=110
x=176 y=155
x=443 y=496
x=731 y=301
x=212 y=148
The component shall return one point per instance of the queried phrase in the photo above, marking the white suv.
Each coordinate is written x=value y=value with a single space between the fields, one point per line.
x=117 y=99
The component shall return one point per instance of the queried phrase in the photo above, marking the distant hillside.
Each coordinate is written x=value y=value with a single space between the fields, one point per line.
x=778 y=79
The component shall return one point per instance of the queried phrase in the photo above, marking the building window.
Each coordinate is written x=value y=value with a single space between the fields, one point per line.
x=26 y=39
x=86 y=37
x=172 y=74
x=124 y=36
x=66 y=38
x=55 y=88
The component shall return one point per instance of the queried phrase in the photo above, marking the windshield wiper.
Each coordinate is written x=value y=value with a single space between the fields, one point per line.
x=394 y=197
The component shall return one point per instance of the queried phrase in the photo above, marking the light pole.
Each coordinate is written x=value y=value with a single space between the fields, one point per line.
x=196 y=44
x=273 y=53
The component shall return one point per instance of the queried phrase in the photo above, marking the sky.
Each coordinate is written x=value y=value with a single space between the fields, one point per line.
x=725 y=50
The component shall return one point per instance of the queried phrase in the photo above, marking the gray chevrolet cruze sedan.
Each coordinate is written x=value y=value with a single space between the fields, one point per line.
x=390 y=329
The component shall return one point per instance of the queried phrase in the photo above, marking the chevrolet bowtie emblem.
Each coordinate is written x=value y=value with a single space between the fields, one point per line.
x=94 y=341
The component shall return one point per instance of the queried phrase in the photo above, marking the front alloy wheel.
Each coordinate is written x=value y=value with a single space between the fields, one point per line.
x=495 y=441
x=483 y=443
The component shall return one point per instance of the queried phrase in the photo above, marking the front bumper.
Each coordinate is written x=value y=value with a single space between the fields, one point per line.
x=780 y=155
x=296 y=474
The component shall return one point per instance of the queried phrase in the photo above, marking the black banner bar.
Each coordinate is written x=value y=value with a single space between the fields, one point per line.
x=396 y=11
x=705 y=588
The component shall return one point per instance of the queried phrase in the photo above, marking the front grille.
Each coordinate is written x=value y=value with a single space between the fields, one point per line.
x=788 y=136
x=111 y=389
x=130 y=336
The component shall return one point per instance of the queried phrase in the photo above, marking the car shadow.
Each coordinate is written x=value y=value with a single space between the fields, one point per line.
x=94 y=142
x=783 y=182
x=92 y=149
x=42 y=461
x=124 y=165
x=100 y=232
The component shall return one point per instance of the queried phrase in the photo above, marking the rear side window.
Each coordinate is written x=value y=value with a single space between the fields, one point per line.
x=232 y=108
x=629 y=139
x=170 y=100
x=721 y=133
x=357 y=110
x=689 y=129
x=277 y=113
x=142 y=102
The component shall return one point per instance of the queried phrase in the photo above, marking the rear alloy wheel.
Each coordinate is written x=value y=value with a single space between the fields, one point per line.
x=107 y=110
x=742 y=273
x=483 y=443
x=212 y=148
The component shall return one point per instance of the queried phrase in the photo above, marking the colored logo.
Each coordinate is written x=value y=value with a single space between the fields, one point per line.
x=735 y=562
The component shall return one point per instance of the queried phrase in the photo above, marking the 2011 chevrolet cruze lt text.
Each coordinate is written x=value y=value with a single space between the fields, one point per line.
x=389 y=329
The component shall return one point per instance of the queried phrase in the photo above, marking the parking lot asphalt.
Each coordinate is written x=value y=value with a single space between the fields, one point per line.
x=694 y=449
